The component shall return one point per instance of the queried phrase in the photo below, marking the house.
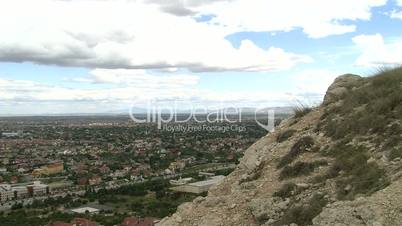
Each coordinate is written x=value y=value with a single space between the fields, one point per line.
x=50 y=169
x=130 y=221
x=148 y=221
x=177 y=165
x=134 y=221
x=83 y=222
x=75 y=222
x=95 y=180
x=104 y=169
x=59 y=223
x=14 y=179
x=82 y=181
x=3 y=170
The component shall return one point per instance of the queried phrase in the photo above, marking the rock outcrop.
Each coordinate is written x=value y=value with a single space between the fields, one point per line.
x=320 y=171
x=340 y=87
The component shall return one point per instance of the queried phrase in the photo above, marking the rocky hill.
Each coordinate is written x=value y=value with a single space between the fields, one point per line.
x=337 y=164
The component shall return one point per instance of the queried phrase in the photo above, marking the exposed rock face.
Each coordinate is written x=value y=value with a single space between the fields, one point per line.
x=316 y=185
x=340 y=87
x=382 y=208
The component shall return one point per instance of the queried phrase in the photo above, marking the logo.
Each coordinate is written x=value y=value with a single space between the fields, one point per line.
x=201 y=118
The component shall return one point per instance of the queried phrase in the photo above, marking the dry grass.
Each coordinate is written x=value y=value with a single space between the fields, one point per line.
x=299 y=147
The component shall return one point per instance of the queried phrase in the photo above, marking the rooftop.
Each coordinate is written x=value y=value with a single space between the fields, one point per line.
x=85 y=209
x=211 y=181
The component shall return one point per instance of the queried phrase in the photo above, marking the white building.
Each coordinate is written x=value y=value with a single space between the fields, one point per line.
x=20 y=192
x=181 y=181
x=6 y=193
x=38 y=189
x=84 y=210
x=12 y=134
x=200 y=186
x=3 y=170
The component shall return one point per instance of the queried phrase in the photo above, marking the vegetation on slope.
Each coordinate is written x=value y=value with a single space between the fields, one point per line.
x=368 y=109
x=364 y=122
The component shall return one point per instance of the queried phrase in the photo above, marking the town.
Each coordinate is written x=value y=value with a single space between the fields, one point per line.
x=94 y=168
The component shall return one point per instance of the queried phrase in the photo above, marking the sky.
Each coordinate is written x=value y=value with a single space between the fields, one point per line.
x=102 y=56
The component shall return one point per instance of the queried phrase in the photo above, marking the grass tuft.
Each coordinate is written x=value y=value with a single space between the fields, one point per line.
x=287 y=190
x=301 y=109
x=300 y=169
x=395 y=153
x=359 y=176
x=299 y=147
x=303 y=214
x=285 y=135
x=368 y=109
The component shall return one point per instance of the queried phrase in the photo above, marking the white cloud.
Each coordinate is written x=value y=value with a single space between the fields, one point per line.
x=141 y=35
x=125 y=34
x=28 y=91
x=399 y=2
x=183 y=7
x=137 y=78
x=134 y=85
x=316 y=18
x=376 y=52
x=137 y=87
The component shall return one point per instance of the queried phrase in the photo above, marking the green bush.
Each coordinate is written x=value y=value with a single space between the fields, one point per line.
x=285 y=135
x=395 y=153
x=287 y=190
x=299 y=147
x=359 y=176
x=378 y=101
x=303 y=214
x=300 y=169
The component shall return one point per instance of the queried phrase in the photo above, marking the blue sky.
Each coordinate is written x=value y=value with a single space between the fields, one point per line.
x=230 y=52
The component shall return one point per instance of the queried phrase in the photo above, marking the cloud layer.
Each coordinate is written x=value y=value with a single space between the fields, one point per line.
x=137 y=87
x=125 y=34
x=155 y=34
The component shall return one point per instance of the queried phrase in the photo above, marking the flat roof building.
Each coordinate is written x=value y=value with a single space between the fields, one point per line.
x=86 y=209
x=200 y=186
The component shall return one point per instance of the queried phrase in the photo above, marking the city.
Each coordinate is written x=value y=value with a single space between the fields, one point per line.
x=200 y=113
x=70 y=165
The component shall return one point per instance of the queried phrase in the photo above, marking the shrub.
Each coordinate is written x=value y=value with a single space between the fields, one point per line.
x=299 y=169
x=395 y=153
x=303 y=214
x=361 y=177
x=287 y=190
x=363 y=180
x=301 y=110
x=285 y=135
x=299 y=147
x=378 y=101
x=331 y=173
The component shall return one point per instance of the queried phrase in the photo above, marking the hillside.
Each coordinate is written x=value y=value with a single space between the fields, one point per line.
x=338 y=164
